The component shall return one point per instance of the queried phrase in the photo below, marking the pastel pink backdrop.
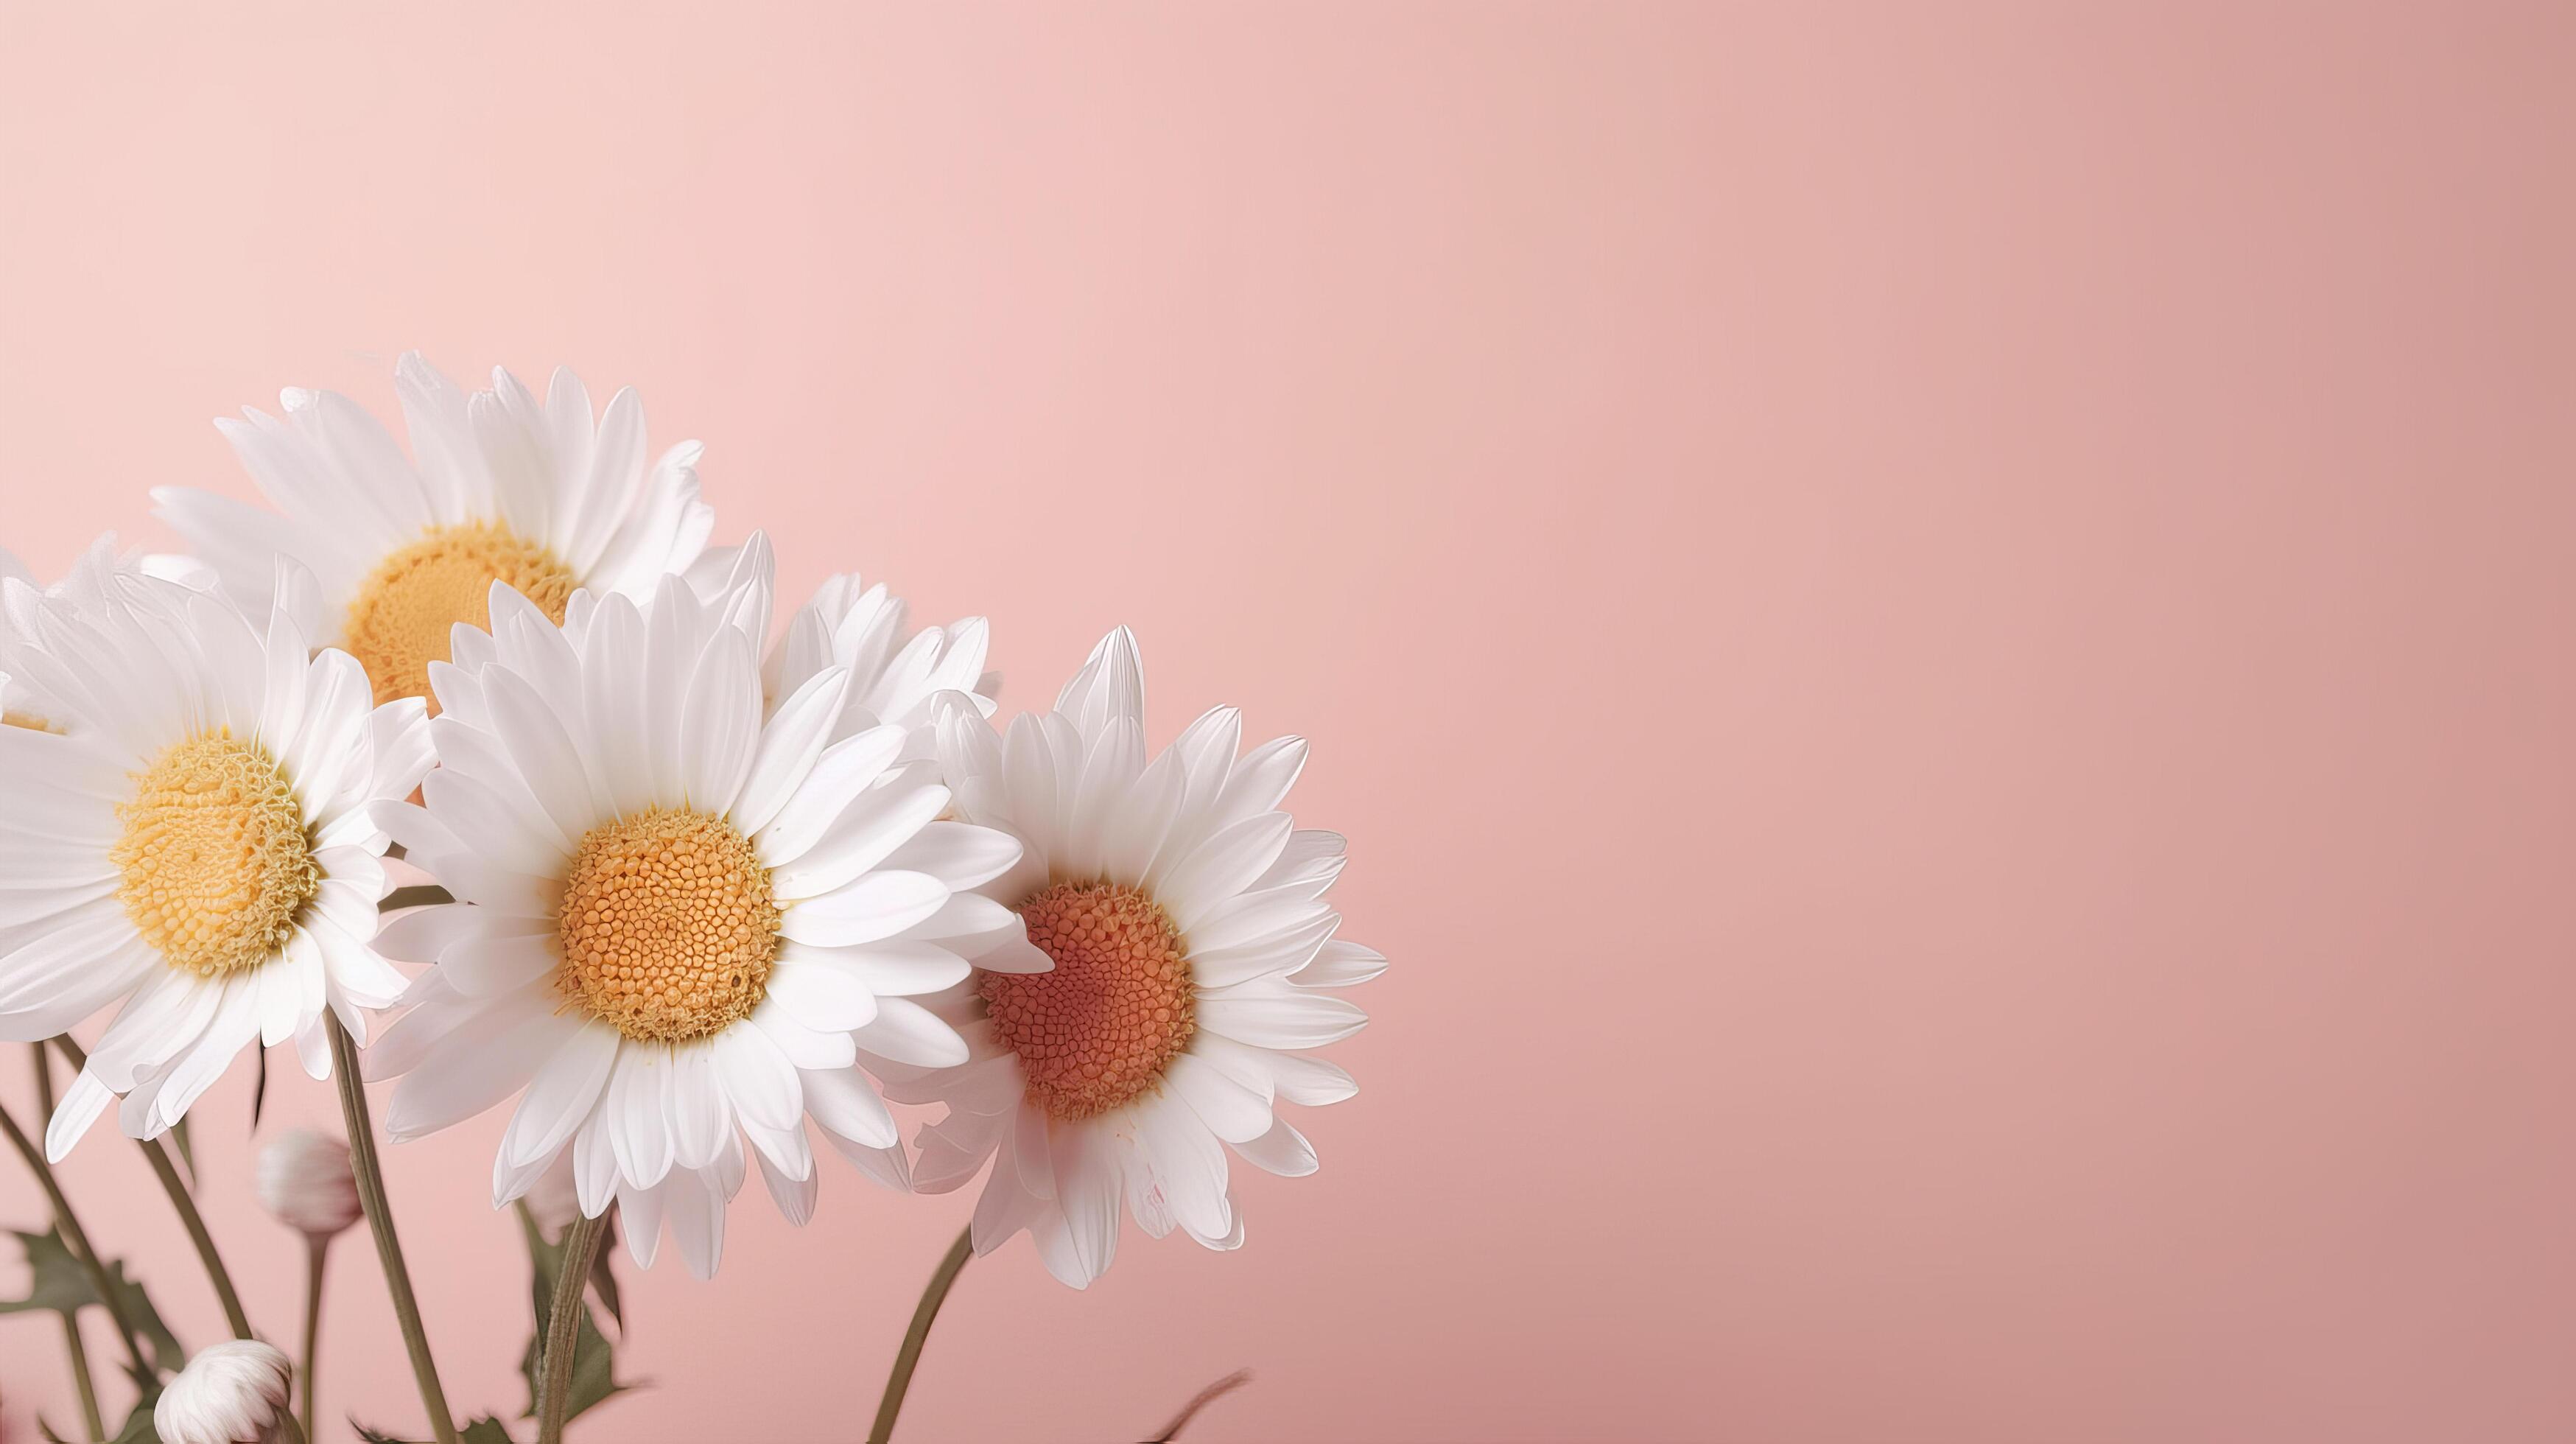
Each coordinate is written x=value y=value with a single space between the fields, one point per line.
x=1945 y=640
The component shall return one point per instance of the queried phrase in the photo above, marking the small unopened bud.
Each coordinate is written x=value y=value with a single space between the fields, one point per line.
x=230 y=1393
x=304 y=1180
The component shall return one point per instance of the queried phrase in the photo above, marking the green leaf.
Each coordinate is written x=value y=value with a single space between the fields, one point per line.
x=138 y=1427
x=58 y=1284
x=55 y=1281
x=158 y=1341
x=486 y=1430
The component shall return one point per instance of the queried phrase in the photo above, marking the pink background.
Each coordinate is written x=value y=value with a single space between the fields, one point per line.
x=1945 y=642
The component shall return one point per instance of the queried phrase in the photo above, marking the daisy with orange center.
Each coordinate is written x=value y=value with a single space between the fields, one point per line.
x=682 y=911
x=1175 y=973
x=538 y=495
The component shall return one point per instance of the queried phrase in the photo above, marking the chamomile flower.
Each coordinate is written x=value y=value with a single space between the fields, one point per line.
x=681 y=913
x=1193 y=957
x=190 y=831
x=501 y=487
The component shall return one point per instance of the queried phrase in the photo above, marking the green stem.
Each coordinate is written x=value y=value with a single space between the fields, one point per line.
x=380 y=1221
x=80 y=1375
x=909 y=1356
x=158 y=1155
x=316 y=1247
x=76 y=1241
x=72 y=1343
x=173 y=1185
x=563 y=1324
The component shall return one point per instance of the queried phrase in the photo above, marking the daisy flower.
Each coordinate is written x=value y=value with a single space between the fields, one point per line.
x=679 y=921
x=1192 y=951
x=501 y=487
x=894 y=674
x=190 y=831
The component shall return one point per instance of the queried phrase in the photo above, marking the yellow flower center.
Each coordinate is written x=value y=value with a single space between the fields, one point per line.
x=668 y=926
x=1100 y=1029
x=400 y=620
x=214 y=856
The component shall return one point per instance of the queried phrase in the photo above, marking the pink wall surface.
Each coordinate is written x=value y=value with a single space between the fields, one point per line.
x=1945 y=635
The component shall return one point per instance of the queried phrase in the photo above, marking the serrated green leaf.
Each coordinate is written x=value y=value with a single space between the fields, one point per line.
x=58 y=1284
x=158 y=1340
x=55 y=1280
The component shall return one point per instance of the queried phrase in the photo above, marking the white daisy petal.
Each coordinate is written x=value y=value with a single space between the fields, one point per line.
x=845 y=769
x=1291 y=1019
x=1230 y=1110
x=475 y=1068
x=791 y=742
x=722 y=725
x=1087 y=1187
x=847 y=1107
x=639 y=1112
x=560 y=1096
x=1220 y=867
x=1338 y=964
x=959 y=854
x=878 y=821
x=907 y=1032
x=1309 y=1081
x=876 y=905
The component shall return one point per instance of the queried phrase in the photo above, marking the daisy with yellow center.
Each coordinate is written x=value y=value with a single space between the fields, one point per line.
x=191 y=831
x=682 y=912
x=538 y=495
x=1176 y=971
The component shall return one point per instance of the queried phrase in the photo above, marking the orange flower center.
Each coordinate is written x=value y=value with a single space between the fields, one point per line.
x=401 y=617
x=1099 y=1030
x=668 y=926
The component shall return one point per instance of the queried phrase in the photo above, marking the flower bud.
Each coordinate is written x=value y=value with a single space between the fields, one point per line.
x=304 y=1180
x=230 y=1393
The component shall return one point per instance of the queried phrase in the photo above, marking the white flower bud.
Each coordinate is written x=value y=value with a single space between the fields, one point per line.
x=230 y=1393
x=304 y=1180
